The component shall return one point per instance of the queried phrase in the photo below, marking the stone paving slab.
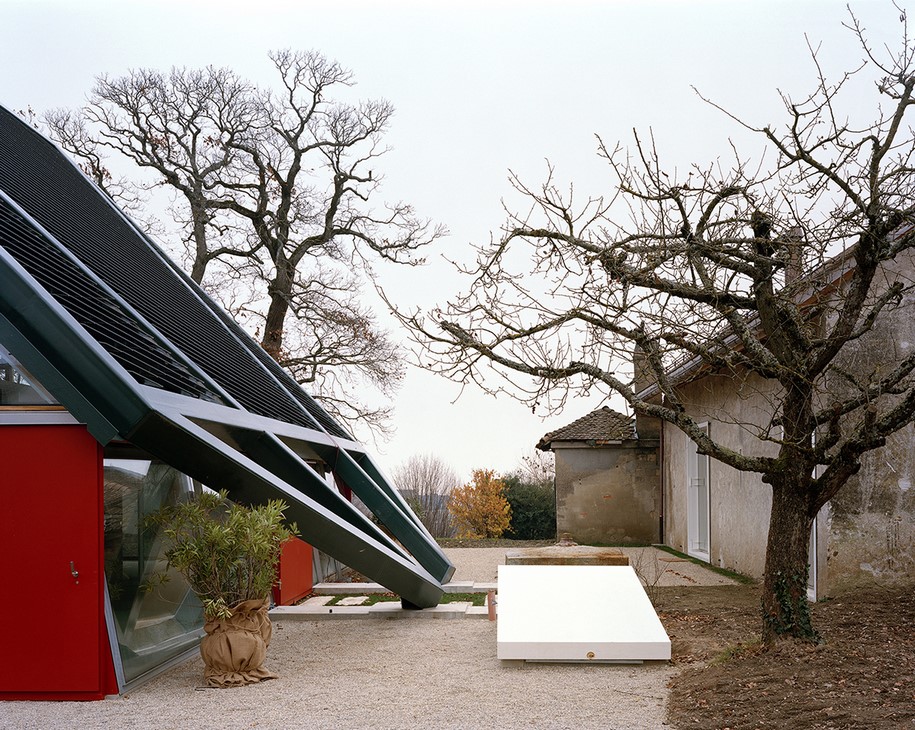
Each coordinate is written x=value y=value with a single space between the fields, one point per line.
x=383 y=609
x=475 y=565
x=566 y=555
x=317 y=613
x=347 y=589
x=352 y=601
x=484 y=587
x=459 y=586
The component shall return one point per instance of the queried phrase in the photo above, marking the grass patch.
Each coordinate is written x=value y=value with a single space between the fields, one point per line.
x=733 y=575
x=372 y=599
x=735 y=651
x=477 y=599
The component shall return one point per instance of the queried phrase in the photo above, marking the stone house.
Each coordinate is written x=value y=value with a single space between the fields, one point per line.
x=622 y=479
x=607 y=480
x=863 y=537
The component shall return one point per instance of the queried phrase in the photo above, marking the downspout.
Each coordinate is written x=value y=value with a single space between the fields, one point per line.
x=661 y=484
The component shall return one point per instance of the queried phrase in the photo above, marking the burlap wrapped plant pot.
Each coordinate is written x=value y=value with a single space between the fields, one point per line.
x=234 y=649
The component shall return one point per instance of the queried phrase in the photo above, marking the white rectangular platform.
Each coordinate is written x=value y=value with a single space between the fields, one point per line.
x=577 y=613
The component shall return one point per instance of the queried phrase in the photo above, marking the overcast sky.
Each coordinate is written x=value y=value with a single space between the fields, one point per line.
x=479 y=88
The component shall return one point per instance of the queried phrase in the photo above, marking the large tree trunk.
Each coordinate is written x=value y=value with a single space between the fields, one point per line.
x=199 y=219
x=280 y=291
x=785 y=610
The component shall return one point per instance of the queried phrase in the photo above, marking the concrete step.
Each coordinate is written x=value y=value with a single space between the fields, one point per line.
x=361 y=589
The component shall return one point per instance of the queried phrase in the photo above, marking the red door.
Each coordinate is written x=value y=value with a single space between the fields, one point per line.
x=294 y=580
x=50 y=543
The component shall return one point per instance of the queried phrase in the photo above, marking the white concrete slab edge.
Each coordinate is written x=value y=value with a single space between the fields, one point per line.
x=577 y=613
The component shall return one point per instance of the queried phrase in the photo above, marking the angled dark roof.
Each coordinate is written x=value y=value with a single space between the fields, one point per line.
x=604 y=424
x=136 y=351
x=70 y=209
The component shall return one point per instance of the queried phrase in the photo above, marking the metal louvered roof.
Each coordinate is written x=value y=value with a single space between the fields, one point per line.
x=100 y=314
x=105 y=241
x=136 y=351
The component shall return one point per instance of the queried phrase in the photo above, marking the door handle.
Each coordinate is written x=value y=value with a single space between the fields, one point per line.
x=74 y=572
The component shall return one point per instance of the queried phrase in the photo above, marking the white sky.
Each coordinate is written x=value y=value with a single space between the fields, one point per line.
x=479 y=87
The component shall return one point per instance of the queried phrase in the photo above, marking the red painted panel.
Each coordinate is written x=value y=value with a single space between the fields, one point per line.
x=295 y=577
x=50 y=482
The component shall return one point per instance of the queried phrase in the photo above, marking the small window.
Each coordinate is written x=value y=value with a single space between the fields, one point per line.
x=17 y=387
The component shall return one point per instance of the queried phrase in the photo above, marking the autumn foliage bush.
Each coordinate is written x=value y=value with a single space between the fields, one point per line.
x=479 y=508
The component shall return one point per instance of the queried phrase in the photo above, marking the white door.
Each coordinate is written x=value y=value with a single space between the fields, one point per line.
x=697 y=466
x=813 y=574
x=812 y=544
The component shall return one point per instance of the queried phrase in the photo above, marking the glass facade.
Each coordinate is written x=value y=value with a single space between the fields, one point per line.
x=154 y=624
x=17 y=388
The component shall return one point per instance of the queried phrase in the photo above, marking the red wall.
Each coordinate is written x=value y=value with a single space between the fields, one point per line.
x=55 y=641
x=295 y=576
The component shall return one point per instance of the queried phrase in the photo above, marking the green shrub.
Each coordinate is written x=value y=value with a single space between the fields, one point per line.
x=227 y=553
x=533 y=509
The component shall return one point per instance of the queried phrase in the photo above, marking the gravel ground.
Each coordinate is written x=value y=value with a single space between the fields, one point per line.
x=378 y=674
x=384 y=674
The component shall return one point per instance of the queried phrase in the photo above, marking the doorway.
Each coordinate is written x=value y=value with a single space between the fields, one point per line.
x=698 y=515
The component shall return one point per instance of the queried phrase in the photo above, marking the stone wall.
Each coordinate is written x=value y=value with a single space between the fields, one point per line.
x=608 y=494
x=739 y=503
x=872 y=538
x=871 y=534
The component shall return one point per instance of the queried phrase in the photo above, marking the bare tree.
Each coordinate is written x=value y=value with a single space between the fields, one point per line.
x=538 y=468
x=700 y=268
x=272 y=190
x=426 y=482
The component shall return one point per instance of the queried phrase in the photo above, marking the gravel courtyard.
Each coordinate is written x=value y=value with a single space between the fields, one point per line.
x=386 y=674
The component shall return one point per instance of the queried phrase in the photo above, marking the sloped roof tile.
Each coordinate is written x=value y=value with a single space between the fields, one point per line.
x=604 y=424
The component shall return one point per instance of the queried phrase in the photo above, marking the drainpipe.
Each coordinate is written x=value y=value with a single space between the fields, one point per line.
x=661 y=483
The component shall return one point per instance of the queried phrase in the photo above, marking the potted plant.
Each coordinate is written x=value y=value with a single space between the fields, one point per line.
x=229 y=555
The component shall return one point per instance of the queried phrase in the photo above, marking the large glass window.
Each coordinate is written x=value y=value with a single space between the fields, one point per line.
x=17 y=388
x=154 y=625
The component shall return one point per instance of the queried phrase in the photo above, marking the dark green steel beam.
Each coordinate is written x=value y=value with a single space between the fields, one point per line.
x=194 y=451
x=368 y=465
x=386 y=504
x=277 y=458
x=65 y=359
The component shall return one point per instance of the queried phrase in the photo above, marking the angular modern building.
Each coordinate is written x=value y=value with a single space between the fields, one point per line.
x=123 y=387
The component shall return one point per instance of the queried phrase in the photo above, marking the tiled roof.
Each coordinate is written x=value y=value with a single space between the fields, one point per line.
x=604 y=424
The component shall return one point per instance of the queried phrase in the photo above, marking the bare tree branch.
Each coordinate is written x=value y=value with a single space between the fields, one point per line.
x=275 y=192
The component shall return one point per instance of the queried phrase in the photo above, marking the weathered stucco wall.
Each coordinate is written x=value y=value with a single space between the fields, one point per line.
x=871 y=535
x=866 y=535
x=739 y=504
x=608 y=494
